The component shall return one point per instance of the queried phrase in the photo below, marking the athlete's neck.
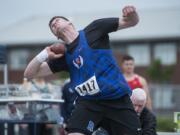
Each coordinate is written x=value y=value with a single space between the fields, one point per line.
x=69 y=35
x=129 y=76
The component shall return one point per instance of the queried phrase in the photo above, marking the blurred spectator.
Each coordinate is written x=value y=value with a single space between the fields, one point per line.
x=134 y=80
x=13 y=112
x=26 y=85
x=147 y=118
x=10 y=112
x=36 y=88
x=69 y=97
x=42 y=86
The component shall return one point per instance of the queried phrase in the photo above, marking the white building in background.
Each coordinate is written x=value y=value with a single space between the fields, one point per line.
x=156 y=36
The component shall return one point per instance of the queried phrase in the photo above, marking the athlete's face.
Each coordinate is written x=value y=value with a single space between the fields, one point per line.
x=128 y=66
x=138 y=105
x=58 y=26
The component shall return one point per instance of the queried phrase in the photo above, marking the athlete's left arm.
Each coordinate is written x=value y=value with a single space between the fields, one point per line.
x=129 y=17
x=146 y=89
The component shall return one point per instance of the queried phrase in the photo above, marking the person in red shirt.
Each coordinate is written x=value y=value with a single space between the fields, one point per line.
x=134 y=80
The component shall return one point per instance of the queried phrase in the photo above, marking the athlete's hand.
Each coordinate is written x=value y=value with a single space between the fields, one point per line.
x=51 y=54
x=130 y=17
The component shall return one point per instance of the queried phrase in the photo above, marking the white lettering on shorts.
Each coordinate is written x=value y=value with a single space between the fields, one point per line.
x=89 y=87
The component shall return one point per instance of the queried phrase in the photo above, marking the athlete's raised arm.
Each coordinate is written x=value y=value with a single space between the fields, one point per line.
x=129 y=17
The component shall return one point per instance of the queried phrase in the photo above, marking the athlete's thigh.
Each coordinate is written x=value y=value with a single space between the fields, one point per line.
x=83 y=120
x=124 y=117
x=125 y=122
x=119 y=129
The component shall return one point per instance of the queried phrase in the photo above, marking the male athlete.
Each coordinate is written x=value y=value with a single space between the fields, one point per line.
x=94 y=73
x=134 y=80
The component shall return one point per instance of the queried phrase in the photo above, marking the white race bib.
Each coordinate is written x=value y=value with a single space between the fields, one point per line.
x=89 y=87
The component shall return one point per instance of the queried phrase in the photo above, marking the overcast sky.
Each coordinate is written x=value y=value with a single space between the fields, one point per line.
x=12 y=11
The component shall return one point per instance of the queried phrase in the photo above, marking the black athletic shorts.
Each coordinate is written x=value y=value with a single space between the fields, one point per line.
x=116 y=116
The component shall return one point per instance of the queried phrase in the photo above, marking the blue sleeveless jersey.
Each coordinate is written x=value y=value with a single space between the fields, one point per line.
x=94 y=73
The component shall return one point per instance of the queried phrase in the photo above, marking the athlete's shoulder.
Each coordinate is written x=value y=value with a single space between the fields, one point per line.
x=103 y=23
x=138 y=76
x=141 y=79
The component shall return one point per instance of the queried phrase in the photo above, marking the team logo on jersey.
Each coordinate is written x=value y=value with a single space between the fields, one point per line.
x=90 y=126
x=78 y=62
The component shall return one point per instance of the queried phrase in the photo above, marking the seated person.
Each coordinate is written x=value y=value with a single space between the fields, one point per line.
x=147 y=118
x=37 y=88
x=41 y=85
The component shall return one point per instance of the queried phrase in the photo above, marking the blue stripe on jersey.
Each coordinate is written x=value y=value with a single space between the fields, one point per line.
x=86 y=63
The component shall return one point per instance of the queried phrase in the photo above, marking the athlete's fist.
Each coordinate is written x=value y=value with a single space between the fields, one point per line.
x=130 y=16
x=56 y=50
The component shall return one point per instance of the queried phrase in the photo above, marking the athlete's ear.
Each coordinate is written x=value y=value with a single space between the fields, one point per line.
x=70 y=23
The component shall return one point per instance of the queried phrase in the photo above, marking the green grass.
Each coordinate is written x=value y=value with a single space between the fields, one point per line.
x=165 y=124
